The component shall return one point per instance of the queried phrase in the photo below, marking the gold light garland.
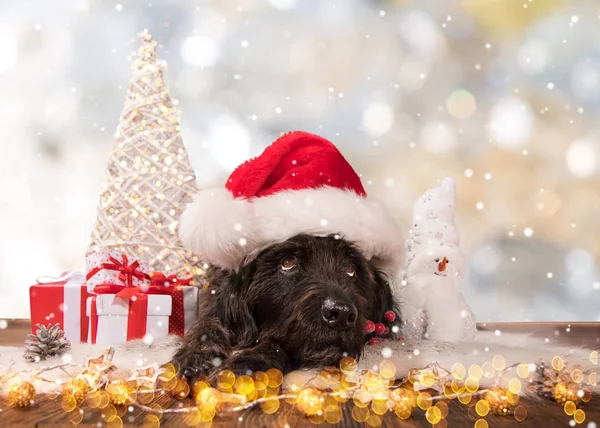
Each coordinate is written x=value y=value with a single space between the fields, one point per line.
x=21 y=394
x=372 y=394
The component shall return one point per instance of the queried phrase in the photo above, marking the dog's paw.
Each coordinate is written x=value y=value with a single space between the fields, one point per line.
x=191 y=374
x=245 y=365
x=192 y=369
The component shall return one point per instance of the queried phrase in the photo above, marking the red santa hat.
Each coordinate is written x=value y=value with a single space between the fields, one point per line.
x=300 y=184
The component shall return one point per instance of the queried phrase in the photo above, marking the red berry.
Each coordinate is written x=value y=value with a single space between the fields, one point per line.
x=400 y=339
x=386 y=331
x=373 y=341
x=390 y=316
x=369 y=327
x=379 y=328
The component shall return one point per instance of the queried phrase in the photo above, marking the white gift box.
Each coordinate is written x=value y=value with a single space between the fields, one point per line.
x=111 y=276
x=113 y=315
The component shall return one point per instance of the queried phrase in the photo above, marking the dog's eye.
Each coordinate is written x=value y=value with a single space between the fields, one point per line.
x=351 y=270
x=289 y=263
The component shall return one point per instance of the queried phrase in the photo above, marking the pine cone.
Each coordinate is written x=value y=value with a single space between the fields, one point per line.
x=547 y=378
x=543 y=382
x=46 y=342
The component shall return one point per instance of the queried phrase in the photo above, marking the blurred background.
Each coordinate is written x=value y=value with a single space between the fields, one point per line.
x=503 y=95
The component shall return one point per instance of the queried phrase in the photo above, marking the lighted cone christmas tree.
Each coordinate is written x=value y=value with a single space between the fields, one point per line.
x=149 y=178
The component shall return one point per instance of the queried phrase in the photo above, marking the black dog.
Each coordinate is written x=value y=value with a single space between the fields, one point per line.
x=301 y=303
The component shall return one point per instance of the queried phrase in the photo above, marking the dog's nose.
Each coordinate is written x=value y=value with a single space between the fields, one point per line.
x=339 y=314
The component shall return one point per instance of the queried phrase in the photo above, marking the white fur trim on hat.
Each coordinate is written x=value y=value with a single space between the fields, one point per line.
x=225 y=231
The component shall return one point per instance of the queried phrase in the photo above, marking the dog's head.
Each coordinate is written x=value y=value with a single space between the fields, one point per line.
x=312 y=296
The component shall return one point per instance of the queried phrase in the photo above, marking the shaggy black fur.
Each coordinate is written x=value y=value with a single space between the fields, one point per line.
x=301 y=303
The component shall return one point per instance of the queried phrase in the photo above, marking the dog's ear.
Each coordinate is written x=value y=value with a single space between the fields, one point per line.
x=383 y=300
x=232 y=306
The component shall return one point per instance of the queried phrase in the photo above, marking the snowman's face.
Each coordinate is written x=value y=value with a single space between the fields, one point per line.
x=439 y=263
x=441 y=268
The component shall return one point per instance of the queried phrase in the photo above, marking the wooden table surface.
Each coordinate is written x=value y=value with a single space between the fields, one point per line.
x=540 y=413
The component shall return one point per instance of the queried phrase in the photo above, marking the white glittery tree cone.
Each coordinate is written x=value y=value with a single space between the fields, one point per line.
x=431 y=301
x=149 y=179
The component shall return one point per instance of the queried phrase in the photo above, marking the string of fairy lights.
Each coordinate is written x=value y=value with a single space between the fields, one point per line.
x=320 y=397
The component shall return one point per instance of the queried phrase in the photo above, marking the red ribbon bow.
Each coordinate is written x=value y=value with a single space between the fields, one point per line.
x=159 y=278
x=126 y=271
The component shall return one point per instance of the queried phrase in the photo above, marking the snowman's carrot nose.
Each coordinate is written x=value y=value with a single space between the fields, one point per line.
x=442 y=265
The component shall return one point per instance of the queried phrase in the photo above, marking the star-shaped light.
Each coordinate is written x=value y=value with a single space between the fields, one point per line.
x=433 y=376
x=145 y=375
x=92 y=377
x=102 y=364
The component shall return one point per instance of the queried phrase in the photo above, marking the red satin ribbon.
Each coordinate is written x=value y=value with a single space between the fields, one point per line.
x=83 y=318
x=126 y=271
x=177 y=318
x=136 y=319
x=93 y=321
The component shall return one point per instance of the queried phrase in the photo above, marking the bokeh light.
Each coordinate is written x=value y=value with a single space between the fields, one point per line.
x=585 y=79
x=438 y=138
x=378 y=119
x=8 y=48
x=582 y=158
x=422 y=34
x=283 y=4
x=199 y=51
x=534 y=56
x=461 y=104
x=229 y=142
x=511 y=123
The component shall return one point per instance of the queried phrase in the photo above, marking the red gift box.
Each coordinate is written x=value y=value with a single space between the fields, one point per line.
x=61 y=300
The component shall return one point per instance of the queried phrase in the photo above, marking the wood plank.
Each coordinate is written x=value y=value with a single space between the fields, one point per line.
x=16 y=332
x=48 y=413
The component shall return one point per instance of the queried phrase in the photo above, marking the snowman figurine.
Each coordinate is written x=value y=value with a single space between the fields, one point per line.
x=432 y=303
